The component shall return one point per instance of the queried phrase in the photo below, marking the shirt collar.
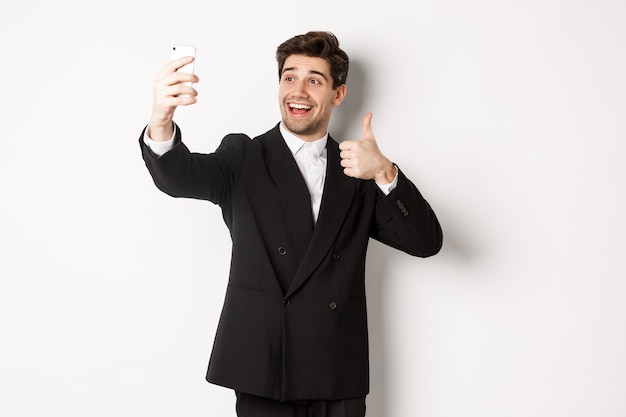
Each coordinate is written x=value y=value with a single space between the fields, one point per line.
x=295 y=143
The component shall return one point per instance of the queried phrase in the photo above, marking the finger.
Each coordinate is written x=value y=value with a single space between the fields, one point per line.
x=180 y=77
x=349 y=172
x=368 y=133
x=185 y=100
x=173 y=66
x=345 y=154
x=171 y=96
x=346 y=145
x=182 y=90
x=178 y=63
x=180 y=100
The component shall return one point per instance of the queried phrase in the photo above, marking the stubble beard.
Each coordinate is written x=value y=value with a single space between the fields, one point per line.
x=303 y=126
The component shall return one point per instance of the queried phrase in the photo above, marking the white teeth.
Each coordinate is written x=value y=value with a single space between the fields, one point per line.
x=299 y=106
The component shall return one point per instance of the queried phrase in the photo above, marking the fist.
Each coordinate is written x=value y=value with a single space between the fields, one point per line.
x=363 y=159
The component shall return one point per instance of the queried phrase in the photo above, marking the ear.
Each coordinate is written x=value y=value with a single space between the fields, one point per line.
x=340 y=94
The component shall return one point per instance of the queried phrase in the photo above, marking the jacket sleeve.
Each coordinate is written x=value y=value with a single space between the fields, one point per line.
x=404 y=220
x=181 y=173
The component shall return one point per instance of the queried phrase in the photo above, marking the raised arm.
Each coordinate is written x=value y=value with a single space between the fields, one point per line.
x=403 y=218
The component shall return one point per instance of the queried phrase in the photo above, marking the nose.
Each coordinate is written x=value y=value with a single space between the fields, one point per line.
x=300 y=88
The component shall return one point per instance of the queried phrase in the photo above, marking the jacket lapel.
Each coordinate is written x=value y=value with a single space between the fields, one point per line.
x=293 y=191
x=336 y=199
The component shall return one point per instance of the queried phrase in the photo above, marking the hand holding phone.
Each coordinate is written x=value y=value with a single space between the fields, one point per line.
x=179 y=51
x=167 y=92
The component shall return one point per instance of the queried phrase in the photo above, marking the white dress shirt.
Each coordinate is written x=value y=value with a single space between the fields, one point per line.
x=311 y=158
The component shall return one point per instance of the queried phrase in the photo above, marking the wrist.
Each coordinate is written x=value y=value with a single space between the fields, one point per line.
x=160 y=132
x=387 y=174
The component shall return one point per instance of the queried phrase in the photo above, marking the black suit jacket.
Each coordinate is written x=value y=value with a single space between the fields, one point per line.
x=294 y=324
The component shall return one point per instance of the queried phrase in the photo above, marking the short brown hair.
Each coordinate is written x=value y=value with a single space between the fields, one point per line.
x=323 y=45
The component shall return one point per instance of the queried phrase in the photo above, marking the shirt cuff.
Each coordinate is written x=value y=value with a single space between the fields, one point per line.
x=159 y=148
x=387 y=188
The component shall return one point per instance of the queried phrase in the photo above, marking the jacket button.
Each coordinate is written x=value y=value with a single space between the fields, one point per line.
x=282 y=251
x=286 y=302
x=336 y=256
x=332 y=305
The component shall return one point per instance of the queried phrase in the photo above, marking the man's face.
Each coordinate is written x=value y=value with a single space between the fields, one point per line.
x=306 y=96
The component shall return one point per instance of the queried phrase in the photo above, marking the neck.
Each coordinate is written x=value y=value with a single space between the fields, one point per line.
x=305 y=138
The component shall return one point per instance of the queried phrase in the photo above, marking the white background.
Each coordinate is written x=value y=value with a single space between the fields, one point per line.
x=508 y=115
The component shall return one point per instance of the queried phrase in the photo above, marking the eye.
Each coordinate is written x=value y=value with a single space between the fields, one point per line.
x=315 y=81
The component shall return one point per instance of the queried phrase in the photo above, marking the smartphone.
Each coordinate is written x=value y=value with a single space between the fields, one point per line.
x=179 y=51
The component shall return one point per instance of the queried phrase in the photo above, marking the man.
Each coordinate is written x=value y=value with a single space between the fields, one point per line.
x=292 y=336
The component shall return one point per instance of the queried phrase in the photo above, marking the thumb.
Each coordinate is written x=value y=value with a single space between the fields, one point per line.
x=368 y=133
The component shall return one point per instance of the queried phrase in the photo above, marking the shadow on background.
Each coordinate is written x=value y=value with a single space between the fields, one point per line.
x=346 y=125
x=346 y=121
x=377 y=258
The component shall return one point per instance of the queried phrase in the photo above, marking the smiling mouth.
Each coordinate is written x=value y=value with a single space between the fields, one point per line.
x=299 y=109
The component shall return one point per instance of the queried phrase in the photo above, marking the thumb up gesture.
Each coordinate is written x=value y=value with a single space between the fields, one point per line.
x=363 y=159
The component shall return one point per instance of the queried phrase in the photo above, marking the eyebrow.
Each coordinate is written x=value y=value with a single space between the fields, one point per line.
x=321 y=74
